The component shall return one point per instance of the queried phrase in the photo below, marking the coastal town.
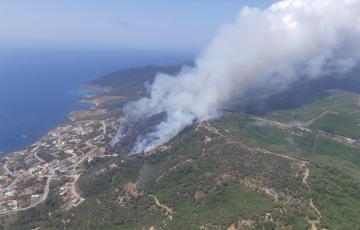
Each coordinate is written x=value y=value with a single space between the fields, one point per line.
x=60 y=155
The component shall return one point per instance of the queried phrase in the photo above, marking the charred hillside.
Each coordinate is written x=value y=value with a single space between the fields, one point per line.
x=131 y=132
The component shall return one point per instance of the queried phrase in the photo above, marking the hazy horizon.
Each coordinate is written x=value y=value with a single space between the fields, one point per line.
x=157 y=25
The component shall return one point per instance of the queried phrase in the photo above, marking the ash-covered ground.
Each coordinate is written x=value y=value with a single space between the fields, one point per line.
x=132 y=132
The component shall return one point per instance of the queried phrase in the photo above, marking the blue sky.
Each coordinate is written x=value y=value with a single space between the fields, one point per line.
x=133 y=24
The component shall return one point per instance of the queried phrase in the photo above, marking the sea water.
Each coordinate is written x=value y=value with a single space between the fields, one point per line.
x=39 y=87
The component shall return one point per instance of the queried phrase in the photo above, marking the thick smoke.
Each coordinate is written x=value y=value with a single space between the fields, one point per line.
x=290 y=40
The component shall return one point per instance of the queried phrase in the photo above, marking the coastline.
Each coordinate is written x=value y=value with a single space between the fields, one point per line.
x=96 y=87
x=103 y=99
x=56 y=154
x=67 y=118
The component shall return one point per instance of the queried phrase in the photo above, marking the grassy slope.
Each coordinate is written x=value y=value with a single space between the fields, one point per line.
x=334 y=100
x=335 y=171
x=343 y=124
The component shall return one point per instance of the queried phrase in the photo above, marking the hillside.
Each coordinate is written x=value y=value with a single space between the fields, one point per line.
x=130 y=82
x=236 y=172
x=296 y=168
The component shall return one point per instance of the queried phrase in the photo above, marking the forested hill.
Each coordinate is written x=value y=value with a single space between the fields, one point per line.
x=131 y=81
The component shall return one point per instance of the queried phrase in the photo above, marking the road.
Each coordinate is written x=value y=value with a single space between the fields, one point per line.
x=301 y=163
x=46 y=189
x=335 y=137
x=47 y=186
x=38 y=158
x=308 y=123
x=7 y=169
x=43 y=198
x=210 y=128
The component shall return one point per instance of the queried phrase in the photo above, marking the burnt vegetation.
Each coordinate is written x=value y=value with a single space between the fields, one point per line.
x=133 y=131
x=233 y=172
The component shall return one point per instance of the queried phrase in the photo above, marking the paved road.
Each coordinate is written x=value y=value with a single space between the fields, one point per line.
x=7 y=169
x=38 y=158
x=46 y=189
x=43 y=198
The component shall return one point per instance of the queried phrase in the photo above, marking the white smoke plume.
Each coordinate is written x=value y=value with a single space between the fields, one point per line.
x=292 y=39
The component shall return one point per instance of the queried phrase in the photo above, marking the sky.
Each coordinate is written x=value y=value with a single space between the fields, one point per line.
x=186 y=25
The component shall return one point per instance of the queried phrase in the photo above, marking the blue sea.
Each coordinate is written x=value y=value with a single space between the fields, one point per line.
x=39 y=87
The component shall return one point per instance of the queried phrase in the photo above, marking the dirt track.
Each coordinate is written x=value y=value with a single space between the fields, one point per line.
x=301 y=164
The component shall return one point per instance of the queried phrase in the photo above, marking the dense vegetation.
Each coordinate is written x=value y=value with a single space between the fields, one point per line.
x=233 y=171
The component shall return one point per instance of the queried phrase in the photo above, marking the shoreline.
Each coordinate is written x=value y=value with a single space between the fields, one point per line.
x=91 y=133
x=66 y=119
x=106 y=90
